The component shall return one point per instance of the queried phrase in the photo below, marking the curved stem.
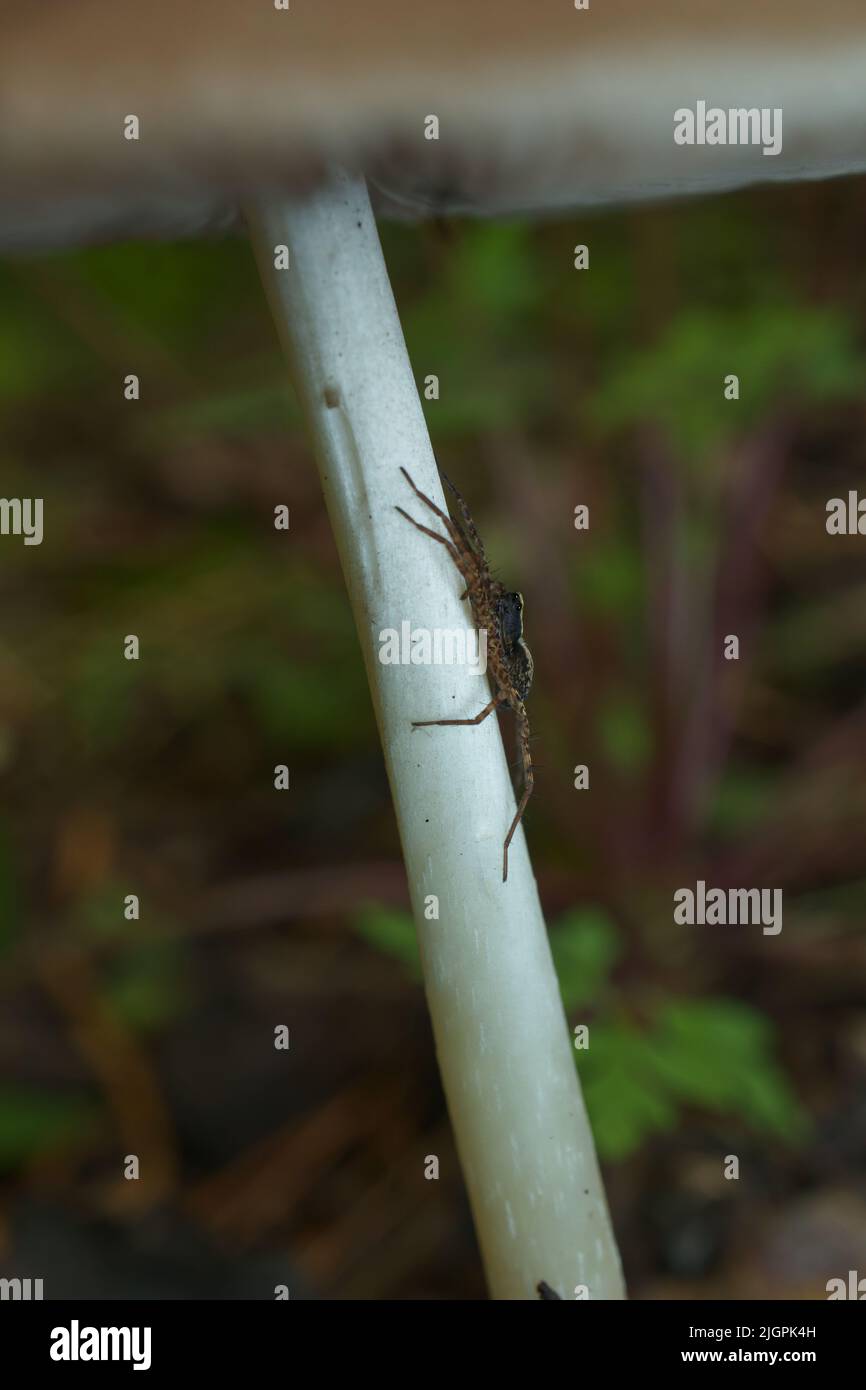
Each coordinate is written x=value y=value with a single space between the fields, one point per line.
x=501 y=1036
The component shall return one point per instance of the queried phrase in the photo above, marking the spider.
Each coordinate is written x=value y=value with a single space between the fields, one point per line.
x=500 y=613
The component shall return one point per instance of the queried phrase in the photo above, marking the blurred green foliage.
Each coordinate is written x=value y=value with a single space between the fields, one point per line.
x=160 y=517
x=33 y=1120
x=585 y=947
x=712 y=1053
x=491 y=371
x=715 y=1054
x=624 y=732
x=611 y=580
x=782 y=354
x=743 y=797
x=145 y=981
x=146 y=987
x=391 y=932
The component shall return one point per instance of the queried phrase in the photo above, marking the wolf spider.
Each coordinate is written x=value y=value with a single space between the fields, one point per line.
x=499 y=612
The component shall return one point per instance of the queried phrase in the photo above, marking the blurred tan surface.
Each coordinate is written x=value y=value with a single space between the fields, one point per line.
x=541 y=107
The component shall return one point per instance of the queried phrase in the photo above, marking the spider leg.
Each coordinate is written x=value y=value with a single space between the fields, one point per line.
x=528 y=781
x=424 y=723
x=443 y=540
x=454 y=531
x=465 y=513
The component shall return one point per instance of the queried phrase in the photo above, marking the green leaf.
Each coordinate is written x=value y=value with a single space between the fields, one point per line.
x=717 y=1053
x=713 y=1053
x=625 y=1099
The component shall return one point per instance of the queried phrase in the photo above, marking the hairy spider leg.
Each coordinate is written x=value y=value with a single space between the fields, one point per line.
x=424 y=723
x=467 y=517
x=453 y=529
x=448 y=522
x=523 y=736
x=443 y=540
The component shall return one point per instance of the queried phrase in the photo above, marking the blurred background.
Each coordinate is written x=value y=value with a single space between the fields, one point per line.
x=557 y=387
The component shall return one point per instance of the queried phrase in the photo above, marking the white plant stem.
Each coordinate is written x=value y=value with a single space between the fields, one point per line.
x=505 y=1053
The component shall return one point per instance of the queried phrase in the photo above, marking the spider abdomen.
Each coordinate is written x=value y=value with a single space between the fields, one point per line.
x=521 y=667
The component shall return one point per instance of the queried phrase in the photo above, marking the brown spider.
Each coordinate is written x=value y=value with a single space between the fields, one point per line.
x=498 y=612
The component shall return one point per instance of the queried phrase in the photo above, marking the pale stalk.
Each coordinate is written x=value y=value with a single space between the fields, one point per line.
x=504 y=1050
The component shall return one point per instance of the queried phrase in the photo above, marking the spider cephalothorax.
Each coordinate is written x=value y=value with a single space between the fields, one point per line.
x=518 y=655
x=498 y=612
